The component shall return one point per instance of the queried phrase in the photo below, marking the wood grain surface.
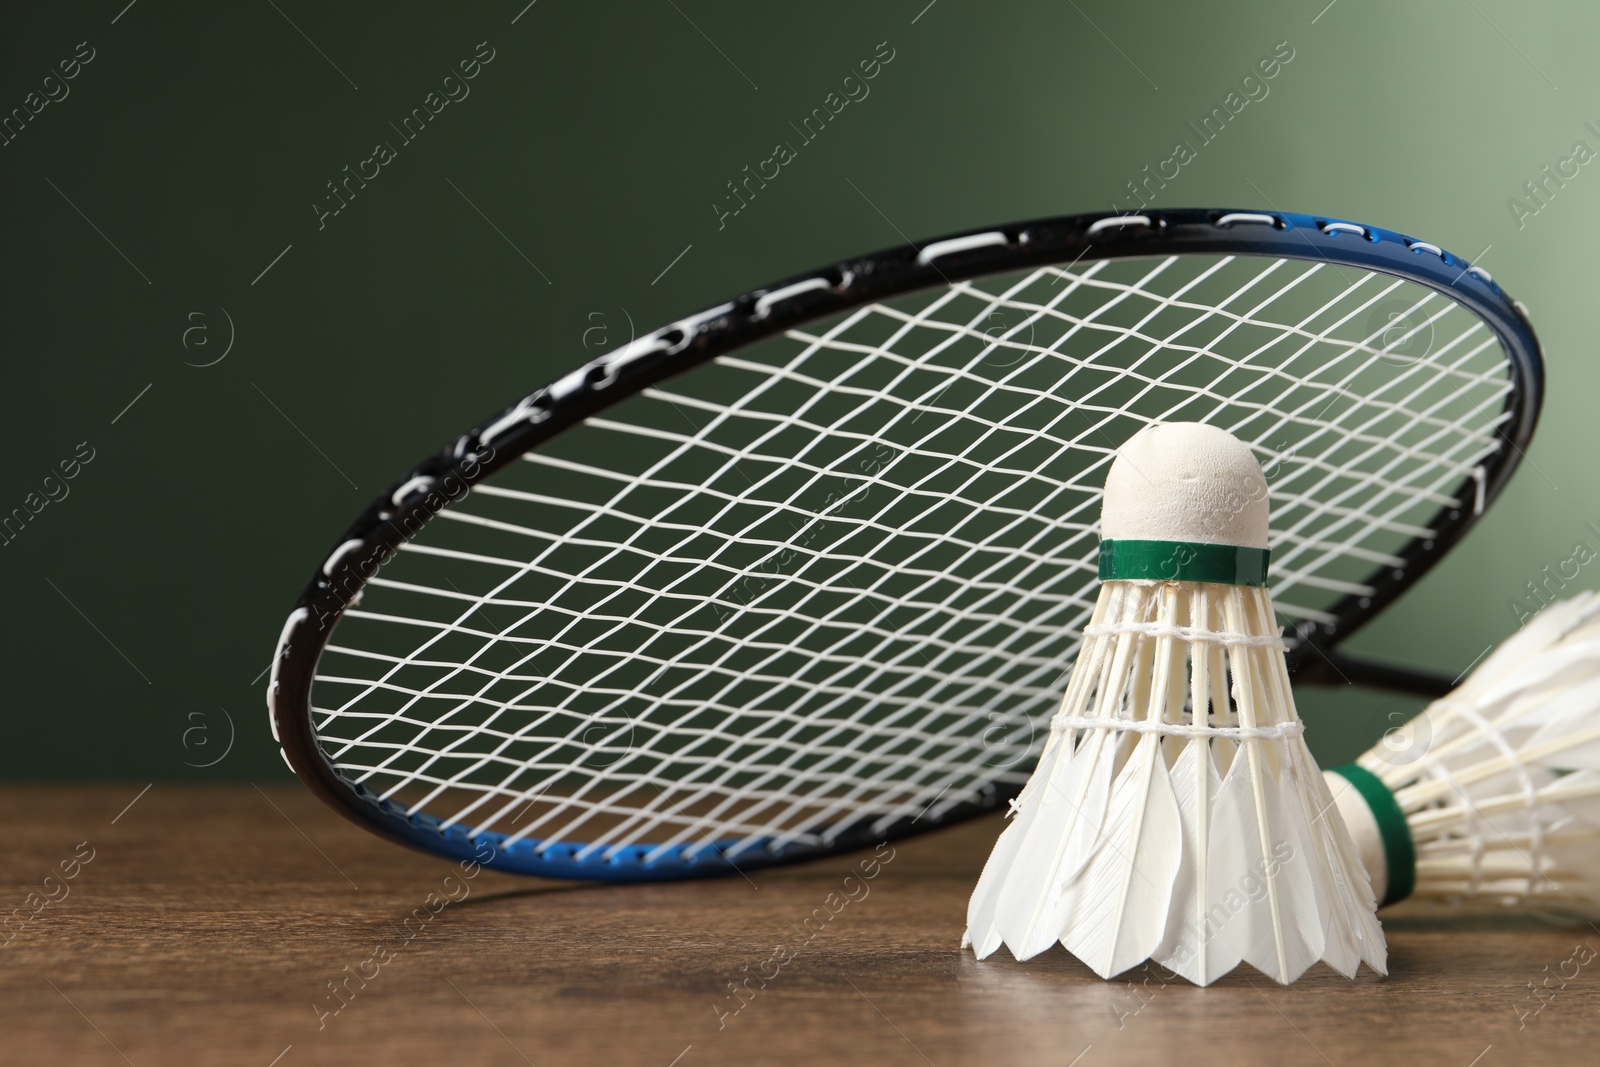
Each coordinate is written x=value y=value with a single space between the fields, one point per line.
x=206 y=925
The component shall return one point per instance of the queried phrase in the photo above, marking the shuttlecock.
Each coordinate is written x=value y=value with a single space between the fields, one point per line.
x=1493 y=793
x=1176 y=813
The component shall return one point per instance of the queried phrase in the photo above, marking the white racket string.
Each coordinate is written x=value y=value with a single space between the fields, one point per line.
x=834 y=579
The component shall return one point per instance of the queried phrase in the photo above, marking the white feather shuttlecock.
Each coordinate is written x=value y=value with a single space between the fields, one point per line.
x=1176 y=813
x=1492 y=794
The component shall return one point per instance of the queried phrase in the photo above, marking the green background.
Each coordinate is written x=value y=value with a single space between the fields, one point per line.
x=190 y=151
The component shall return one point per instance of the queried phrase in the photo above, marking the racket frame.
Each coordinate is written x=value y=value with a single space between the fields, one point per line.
x=405 y=507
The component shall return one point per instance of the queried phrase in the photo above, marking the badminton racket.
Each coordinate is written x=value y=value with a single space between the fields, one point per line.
x=803 y=571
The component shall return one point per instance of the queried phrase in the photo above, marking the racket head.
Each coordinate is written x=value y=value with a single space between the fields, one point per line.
x=365 y=756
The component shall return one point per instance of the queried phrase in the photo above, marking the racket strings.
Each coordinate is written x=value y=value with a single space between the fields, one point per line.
x=838 y=577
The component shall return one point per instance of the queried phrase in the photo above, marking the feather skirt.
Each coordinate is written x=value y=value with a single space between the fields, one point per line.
x=1176 y=814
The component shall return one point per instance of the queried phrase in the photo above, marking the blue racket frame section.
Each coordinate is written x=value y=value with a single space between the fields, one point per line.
x=763 y=313
x=607 y=863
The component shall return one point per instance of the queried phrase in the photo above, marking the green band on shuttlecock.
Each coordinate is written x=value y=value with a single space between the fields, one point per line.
x=1182 y=561
x=1399 y=851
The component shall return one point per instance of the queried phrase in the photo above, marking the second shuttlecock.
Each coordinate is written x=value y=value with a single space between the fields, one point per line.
x=1176 y=813
x=1492 y=794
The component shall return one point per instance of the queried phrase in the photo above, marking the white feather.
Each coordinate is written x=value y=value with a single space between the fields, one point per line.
x=1261 y=877
x=983 y=931
x=1035 y=908
x=1122 y=895
x=1354 y=933
x=1188 y=948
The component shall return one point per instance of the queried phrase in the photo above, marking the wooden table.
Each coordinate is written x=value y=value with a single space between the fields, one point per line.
x=206 y=925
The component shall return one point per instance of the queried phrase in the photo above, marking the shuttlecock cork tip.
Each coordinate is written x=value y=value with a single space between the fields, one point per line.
x=1187 y=482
